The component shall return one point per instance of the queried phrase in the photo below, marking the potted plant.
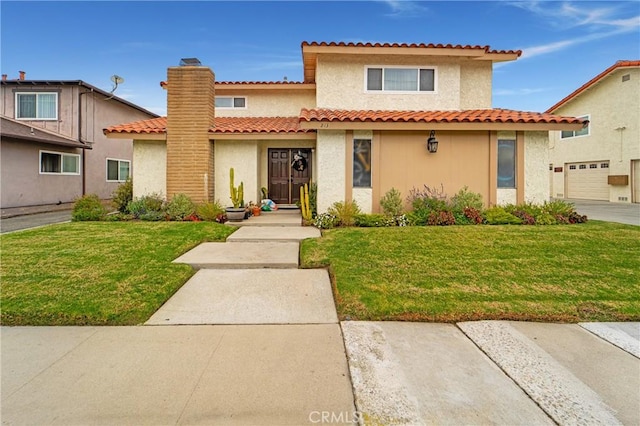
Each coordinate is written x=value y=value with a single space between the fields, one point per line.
x=255 y=208
x=235 y=213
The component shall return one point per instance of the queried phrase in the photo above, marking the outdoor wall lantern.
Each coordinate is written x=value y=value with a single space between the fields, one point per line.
x=432 y=142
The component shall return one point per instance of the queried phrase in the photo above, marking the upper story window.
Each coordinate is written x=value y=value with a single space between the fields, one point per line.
x=37 y=106
x=59 y=163
x=400 y=79
x=231 y=102
x=573 y=133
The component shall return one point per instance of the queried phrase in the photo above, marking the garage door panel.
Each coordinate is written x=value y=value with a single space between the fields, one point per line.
x=588 y=181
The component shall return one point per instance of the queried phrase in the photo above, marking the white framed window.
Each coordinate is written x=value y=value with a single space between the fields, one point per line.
x=59 y=163
x=400 y=79
x=235 y=102
x=36 y=106
x=118 y=170
x=565 y=134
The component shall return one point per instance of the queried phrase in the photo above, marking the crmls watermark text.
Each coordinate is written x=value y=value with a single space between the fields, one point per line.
x=334 y=417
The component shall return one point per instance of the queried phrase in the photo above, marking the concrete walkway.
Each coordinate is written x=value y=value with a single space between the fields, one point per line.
x=251 y=339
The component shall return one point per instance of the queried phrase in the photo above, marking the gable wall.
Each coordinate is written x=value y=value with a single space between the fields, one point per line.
x=268 y=103
x=340 y=82
x=611 y=104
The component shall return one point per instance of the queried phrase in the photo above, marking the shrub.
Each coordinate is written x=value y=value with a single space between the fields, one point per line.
x=473 y=215
x=577 y=218
x=145 y=204
x=88 y=207
x=466 y=199
x=209 y=211
x=499 y=216
x=424 y=201
x=374 y=220
x=545 y=218
x=122 y=195
x=118 y=217
x=324 y=221
x=153 y=216
x=526 y=218
x=344 y=212
x=441 y=218
x=180 y=207
x=391 y=203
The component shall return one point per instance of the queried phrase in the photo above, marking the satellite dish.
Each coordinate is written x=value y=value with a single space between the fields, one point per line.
x=116 y=79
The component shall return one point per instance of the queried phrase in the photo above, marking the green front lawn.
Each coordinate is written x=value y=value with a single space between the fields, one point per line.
x=550 y=273
x=99 y=273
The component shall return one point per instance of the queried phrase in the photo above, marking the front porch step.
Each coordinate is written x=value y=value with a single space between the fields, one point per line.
x=273 y=233
x=274 y=218
x=241 y=296
x=277 y=255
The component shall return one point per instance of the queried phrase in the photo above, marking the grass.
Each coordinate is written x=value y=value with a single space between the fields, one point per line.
x=563 y=273
x=96 y=273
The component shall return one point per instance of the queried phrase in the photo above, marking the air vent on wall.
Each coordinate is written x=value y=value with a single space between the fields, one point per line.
x=626 y=77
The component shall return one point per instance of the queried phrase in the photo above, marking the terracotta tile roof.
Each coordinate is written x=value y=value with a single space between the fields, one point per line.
x=152 y=126
x=595 y=80
x=463 y=116
x=257 y=125
x=283 y=83
x=233 y=125
x=486 y=49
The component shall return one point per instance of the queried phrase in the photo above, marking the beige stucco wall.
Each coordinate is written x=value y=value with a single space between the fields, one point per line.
x=536 y=167
x=150 y=173
x=610 y=104
x=341 y=84
x=268 y=103
x=243 y=156
x=330 y=156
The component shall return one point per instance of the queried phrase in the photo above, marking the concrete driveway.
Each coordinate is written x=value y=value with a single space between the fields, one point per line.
x=627 y=213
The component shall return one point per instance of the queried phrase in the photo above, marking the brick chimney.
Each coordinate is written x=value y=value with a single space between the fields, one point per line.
x=22 y=74
x=190 y=113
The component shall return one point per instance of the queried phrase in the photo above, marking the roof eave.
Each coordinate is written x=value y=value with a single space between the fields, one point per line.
x=458 y=126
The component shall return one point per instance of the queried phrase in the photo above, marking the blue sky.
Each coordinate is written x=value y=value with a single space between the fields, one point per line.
x=565 y=43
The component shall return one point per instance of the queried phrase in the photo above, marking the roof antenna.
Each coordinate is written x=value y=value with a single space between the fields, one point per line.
x=116 y=79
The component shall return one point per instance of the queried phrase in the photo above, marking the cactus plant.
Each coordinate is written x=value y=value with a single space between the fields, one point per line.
x=237 y=193
x=304 y=202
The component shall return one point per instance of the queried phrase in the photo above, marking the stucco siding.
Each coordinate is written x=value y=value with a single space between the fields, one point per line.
x=613 y=107
x=330 y=155
x=363 y=197
x=23 y=185
x=475 y=85
x=150 y=173
x=536 y=167
x=268 y=103
x=341 y=84
x=506 y=196
x=243 y=156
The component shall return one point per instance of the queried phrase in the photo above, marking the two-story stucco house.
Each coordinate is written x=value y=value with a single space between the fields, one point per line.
x=361 y=119
x=53 y=146
x=601 y=161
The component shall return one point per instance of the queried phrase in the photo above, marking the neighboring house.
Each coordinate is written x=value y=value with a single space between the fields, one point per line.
x=361 y=119
x=53 y=147
x=601 y=161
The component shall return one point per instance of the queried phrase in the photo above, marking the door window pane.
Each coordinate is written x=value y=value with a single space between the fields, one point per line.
x=506 y=164
x=362 y=163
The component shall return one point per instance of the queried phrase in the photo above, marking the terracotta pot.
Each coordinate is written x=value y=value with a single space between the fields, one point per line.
x=256 y=211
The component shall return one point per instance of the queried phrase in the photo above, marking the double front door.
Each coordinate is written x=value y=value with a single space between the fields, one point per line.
x=289 y=169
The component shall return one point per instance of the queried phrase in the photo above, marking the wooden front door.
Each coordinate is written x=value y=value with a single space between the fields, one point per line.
x=289 y=169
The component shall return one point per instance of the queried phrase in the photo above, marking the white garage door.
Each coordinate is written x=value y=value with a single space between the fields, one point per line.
x=636 y=181
x=588 y=181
